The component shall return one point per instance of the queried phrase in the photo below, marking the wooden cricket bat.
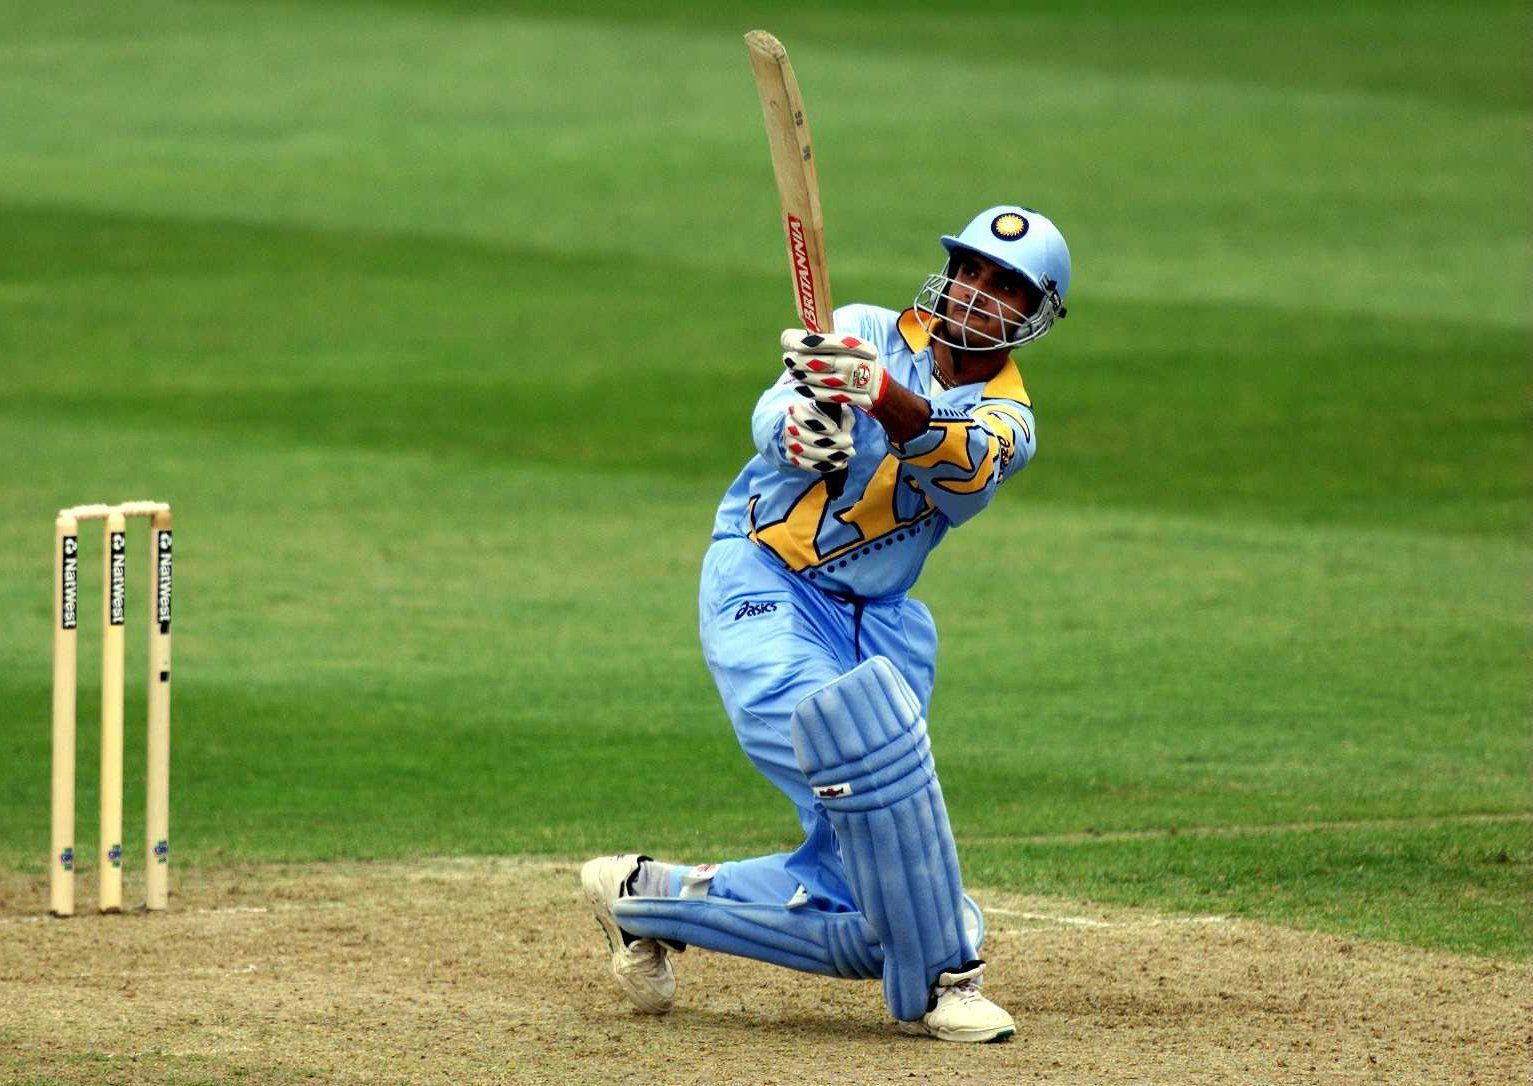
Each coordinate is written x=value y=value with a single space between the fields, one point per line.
x=798 y=186
x=798 y=190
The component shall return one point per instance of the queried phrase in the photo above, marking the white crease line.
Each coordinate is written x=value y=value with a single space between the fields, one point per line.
x=1172 y=920
x=1087 y=922
x=1077 y=921
x=206 y=971
x=226 y=910
x=235 y=909
x=258 y=910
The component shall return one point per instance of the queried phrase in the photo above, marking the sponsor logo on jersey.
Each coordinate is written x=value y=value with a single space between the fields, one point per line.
x=751 y=610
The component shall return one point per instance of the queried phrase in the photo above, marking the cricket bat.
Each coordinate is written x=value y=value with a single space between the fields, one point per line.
x=798 y=191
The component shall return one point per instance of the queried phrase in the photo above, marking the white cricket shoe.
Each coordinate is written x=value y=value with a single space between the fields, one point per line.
x=961 y=1013
x=641 y=966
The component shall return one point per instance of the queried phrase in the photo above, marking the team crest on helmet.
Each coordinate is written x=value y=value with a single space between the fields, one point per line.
x=1009 y=226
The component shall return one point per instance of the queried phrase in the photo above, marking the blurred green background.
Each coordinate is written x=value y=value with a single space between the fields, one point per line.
x=440 y=325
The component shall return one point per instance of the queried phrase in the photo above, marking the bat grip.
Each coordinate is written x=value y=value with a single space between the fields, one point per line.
x=835 y=482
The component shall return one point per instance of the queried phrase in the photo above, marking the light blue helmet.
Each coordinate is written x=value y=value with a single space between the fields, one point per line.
x=1015 y=237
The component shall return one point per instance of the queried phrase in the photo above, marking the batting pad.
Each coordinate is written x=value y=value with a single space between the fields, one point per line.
x=862 y=743
x=810 y=940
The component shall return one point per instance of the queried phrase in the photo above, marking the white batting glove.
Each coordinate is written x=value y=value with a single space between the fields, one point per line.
x=815 y=439
x=835 y=368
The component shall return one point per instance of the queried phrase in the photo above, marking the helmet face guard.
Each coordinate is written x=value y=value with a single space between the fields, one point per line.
x=948 y=323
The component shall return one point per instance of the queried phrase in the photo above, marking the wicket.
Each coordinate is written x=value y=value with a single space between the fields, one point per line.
x=61 y=888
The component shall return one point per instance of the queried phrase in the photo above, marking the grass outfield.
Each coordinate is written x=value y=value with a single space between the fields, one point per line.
x=440 y=326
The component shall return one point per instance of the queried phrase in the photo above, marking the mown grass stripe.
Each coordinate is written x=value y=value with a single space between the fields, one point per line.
x=1086 y=837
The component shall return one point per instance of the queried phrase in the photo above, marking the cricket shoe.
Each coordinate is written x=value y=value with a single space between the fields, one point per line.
x=641 y=966
x=959 y=1012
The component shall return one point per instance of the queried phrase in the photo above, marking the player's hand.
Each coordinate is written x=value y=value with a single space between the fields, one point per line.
x=834 y=368
x=817 y=439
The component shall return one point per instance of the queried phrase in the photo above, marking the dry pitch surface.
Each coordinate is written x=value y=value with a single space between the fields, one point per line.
x=492 y=971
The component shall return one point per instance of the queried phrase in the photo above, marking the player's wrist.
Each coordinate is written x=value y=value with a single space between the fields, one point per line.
x=880 y=390
x=903 y=414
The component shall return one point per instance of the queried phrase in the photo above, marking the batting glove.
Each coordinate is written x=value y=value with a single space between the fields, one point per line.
x=834 y=368
x=817 y=439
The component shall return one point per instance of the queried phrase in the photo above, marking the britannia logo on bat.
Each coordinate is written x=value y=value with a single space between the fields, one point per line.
x=803 y=277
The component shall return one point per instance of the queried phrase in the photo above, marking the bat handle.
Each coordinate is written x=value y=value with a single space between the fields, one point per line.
x=835 y=482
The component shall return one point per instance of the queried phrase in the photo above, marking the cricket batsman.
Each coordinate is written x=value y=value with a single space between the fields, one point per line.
x=824 y=662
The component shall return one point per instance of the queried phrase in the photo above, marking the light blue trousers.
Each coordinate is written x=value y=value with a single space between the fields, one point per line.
x=770 y=639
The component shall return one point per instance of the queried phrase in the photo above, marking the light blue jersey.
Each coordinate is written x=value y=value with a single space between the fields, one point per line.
x=899 y=501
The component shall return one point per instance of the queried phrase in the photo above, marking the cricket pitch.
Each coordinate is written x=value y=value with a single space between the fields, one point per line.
x=475 y=970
